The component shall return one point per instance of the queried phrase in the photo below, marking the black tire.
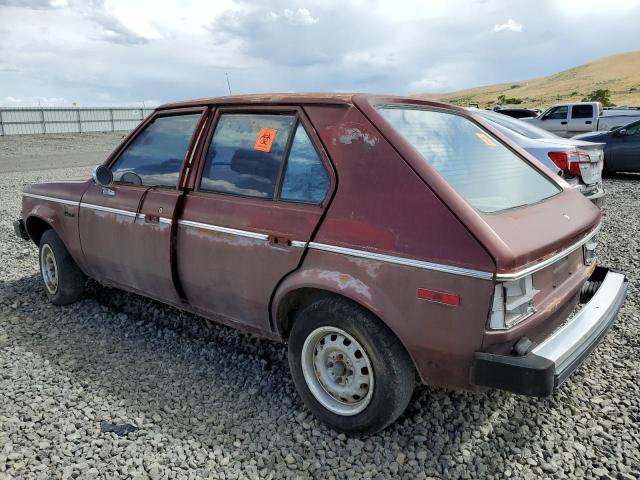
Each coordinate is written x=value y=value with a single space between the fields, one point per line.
x=69 y=280
x=393 y=372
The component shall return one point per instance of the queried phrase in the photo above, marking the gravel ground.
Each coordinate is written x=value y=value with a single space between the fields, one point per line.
x=26 y=153
x=209 y=402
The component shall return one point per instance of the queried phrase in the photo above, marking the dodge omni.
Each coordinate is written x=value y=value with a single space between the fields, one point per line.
x=387 y=240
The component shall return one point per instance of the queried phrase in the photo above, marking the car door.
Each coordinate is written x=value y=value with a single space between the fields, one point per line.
x=625 y=149
x=261 y=188
x=581 y=120
x=555 y=120
x=125 y=229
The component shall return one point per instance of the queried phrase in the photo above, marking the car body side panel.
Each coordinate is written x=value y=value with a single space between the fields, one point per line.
x=61 y=212
x=441 y=339
x=381 y=204
x=124 y=248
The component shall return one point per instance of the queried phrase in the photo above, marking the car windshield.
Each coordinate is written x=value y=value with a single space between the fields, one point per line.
x=484 y=171
x=519 y=126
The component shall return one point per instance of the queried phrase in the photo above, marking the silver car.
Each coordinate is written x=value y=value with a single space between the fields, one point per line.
x=579 y=162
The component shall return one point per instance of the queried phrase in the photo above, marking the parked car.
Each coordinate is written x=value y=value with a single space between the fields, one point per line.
x=518 y=112
x=384 y=238
x=578 y=161
x=570 y=119
x=622 y=147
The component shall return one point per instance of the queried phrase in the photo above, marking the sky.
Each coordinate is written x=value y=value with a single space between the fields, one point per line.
x=135 y=52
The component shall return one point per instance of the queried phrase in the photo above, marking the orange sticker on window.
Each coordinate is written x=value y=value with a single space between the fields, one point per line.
x=486 y=139
x=265 y=139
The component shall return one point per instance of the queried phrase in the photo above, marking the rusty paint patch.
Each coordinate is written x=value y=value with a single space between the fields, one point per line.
x=349 y=133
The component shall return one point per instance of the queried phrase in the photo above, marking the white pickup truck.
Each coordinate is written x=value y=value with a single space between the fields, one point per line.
x=569 y=119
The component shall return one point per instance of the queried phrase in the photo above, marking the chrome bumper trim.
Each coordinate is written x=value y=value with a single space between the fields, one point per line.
x=570 y=344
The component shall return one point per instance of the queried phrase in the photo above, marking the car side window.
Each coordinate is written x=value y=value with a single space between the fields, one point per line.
x=155 y=155
x=582 y=111
x=634 y=131
x=246 y=153
x=557 y=113
x=305 y=178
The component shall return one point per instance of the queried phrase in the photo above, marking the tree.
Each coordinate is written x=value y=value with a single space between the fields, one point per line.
x=600 y=95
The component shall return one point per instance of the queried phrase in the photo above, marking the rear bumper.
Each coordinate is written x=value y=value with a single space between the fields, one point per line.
x=20 y=229
x=593 y=193
x=547 y=365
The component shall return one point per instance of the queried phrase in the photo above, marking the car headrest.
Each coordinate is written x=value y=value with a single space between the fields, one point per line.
x=254 y=162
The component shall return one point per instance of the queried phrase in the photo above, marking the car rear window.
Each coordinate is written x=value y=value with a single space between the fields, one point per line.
x=485 y=172
x=523 y=128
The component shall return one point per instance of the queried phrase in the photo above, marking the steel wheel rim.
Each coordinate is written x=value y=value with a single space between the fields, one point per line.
x=49 y=269
x=337 y=370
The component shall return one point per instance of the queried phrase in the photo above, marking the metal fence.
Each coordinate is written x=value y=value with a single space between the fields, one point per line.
x=24 y=121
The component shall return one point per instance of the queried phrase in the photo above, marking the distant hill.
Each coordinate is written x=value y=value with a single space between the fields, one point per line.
x=618 y=73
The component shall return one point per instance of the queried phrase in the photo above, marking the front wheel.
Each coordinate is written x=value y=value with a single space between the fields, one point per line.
x=348 y=367
x=63 y=281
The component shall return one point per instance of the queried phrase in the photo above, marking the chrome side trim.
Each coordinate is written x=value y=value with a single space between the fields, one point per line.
x=217 y=228
x=567 y=343
x=117 y=211
x=102 y=208
x=403 y=261
x=501 y=277
x=298 y=243
x=51 y=199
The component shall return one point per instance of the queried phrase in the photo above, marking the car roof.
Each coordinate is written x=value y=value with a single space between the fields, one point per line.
x=326 y=98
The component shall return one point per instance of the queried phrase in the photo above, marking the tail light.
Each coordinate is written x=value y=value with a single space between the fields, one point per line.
x=569 y=161
x=512 y=303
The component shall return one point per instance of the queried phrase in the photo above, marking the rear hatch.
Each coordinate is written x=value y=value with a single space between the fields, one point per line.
x=518 y=210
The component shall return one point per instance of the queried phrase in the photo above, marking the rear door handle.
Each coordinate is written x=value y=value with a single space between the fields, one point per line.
x=273 y=240
x=563 y=123
x=151 y=218
x=588 y=122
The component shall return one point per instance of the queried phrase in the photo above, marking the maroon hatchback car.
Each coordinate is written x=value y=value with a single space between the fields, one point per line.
x=386 y=239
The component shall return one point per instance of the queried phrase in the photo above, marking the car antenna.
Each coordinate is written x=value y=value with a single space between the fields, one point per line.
x=228 y=83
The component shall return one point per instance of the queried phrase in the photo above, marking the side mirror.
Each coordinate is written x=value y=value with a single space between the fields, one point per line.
x=621 y=133
x=103 y=176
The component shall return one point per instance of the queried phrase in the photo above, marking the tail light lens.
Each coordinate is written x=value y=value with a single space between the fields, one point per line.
x=512 y=303
x=569 y=161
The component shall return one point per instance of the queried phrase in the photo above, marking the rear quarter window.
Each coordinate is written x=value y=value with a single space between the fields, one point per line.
x=484 y=171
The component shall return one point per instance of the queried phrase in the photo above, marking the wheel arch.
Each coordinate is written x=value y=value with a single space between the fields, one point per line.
x=298 y=290
x=36 y=226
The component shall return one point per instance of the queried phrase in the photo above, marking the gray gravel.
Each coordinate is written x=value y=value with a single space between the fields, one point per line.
x=26 y=153
x=210 y=402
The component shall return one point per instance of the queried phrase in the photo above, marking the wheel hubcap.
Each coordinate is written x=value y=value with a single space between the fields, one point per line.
x=49 y=269
x=337 y=370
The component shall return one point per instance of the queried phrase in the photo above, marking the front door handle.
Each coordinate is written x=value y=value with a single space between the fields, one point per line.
x=588 y=122
x=151 y=218
x=563 y=123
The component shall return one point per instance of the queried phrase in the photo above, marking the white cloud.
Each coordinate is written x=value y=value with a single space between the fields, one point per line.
x=301 y=16
x=118 y=52
x=509 y=25
x=429 y=84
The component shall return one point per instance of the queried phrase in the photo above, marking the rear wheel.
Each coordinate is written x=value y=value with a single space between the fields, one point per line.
x=349 y=368
x=63 y=281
